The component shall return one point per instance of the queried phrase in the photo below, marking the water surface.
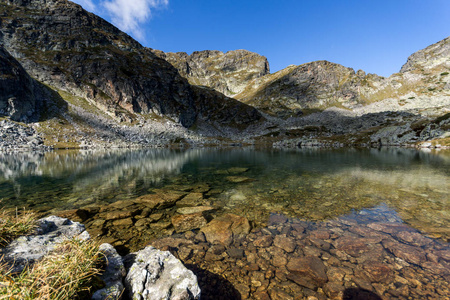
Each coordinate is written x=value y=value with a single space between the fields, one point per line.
x=311 y=184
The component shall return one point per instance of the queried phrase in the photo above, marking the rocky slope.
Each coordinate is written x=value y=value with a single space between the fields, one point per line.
x=408 y=108
x=227 y=73
x=321 y=84
x=80 y=55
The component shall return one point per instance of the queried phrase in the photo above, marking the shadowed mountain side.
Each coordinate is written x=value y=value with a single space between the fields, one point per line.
x=21 y=97
x=227 y=111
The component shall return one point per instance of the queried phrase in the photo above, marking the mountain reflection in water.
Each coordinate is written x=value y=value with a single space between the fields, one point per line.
x=311 y=184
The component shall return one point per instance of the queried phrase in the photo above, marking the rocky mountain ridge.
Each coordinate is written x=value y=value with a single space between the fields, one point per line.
x=321 y=84
x=345 y=102
x=70 y=49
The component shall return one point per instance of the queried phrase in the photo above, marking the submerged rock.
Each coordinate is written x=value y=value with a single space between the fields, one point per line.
x=158 y=275
x=224 y=228
x=187 y=222
x=238 y=179
x=308 y=271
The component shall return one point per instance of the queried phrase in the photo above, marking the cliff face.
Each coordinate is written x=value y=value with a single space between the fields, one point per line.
x=228 y=73
x=19 y=93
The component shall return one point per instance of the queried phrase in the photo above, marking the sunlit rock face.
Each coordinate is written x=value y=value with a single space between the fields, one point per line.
x=227 y=73
x=436 y=55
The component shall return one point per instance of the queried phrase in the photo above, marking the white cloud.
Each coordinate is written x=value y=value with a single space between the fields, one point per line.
x=129 y=15
x=87 y=4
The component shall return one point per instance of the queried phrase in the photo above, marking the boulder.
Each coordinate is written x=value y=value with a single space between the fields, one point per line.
x=158 y=275
x=191 y=199
x=285 y=243
x=194 y=210
x=160 y=199
x=409 y=254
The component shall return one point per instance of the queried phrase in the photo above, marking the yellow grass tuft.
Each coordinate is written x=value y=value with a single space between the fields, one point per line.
x=14 y=224
x=67 y=273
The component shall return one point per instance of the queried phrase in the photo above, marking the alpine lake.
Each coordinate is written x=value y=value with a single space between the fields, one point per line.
x=259 y=224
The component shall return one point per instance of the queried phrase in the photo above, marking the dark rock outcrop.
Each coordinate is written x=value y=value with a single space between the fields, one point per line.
x=18 y=90
x=217 y=108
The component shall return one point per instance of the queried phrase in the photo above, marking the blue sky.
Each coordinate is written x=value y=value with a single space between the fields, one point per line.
x=374 y=35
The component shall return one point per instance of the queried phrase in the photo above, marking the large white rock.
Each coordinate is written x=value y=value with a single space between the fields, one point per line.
x=158 y=275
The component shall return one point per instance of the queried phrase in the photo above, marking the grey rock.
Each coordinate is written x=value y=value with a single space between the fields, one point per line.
x=158 y=275
x=112 y=276
x=51 y=231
